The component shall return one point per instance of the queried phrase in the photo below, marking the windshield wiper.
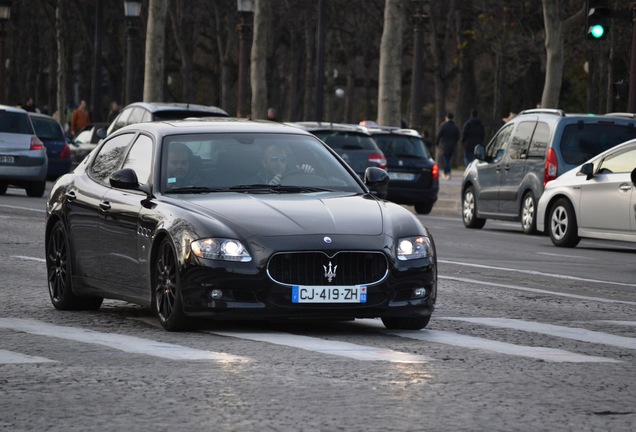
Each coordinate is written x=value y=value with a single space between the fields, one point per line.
x=266 y=188
x=196 y=189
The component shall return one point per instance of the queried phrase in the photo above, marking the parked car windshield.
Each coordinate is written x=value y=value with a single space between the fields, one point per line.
x=580 y=144
x=346 y=141
x=401 y=146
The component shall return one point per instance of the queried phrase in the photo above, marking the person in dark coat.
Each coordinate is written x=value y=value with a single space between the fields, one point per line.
x=446 y=143
x=473 y=134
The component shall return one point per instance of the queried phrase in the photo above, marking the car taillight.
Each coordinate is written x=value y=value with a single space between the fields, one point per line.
x=435 y=172
x=36 y=144
x=66 y=152
x=379 y=159
x=551 y=167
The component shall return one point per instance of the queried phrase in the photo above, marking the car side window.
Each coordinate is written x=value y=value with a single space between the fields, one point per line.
x=121 y=120
x=618 y=163
x=540 y=140
x=521 y=140
x=135 y=116
x=139 y=158
x=147 y=117
x=109 y=158
x=497 y=147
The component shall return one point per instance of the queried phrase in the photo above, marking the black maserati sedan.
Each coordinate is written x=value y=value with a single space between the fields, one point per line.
x=229 y=219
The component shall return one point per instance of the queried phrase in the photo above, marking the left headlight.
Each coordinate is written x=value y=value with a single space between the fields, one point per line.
x=410 y=248
x=220 y=249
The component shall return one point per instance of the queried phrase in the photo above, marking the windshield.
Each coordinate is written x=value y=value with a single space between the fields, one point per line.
x=401 y=146
x=339 y=140
x=46 y=129
x=251 y=163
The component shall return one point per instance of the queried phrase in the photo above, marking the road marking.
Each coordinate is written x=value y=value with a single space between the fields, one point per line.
x=323 y=346
x=573 y=333
x=22 y=208
x=9 y=357
x=565 y=256
x=537 y=290
x=130 y=344
x=536 y=273
x=29 y=258
x=472 y=342
x=620 y=323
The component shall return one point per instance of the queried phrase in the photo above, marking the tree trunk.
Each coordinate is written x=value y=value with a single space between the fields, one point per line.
x=258 y=61
x=60 y=30
x=390 y=82
x=155 y=57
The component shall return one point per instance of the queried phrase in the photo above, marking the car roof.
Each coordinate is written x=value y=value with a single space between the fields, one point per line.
x=40 y=115
x=313 y=126
x=214 y=125
x=12 y=109
x=174 y=106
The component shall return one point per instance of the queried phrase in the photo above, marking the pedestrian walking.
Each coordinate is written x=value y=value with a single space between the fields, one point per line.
x=473 y=134
x=446 y=143
x=80 y=119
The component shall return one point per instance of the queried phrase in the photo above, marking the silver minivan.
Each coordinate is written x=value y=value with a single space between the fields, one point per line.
x=508 y=175
x=23 y=160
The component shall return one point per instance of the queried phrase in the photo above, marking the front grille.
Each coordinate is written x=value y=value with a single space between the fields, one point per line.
x=309 y=268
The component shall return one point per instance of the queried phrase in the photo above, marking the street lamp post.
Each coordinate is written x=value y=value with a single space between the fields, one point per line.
x=5 y=14
x=132 y=11
x=245 y=8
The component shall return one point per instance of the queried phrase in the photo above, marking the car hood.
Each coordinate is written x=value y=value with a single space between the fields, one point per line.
x=292 y=214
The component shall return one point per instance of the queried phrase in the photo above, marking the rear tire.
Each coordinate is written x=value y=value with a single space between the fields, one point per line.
x=562 y=225
x=58 y=268
x=529 y=214
x=424 y=208
x=469 y=210
x=35 y=189
x=406 y=323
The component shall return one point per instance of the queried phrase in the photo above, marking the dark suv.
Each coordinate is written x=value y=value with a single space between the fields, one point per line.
x=413 y=174
x=509 y=174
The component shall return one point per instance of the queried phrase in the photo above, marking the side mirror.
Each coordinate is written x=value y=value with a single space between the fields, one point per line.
x=480 y=152
x=634 y=176
x=377 y=180
x=101 y=133
x=587 y=170
x=124 y=179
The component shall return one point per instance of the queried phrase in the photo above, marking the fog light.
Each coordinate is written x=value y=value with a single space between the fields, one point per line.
x=419 y=292
x=216 y=294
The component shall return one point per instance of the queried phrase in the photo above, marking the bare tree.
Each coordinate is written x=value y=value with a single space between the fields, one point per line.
x=389 y=86
x=155 y=41
x=258 y=60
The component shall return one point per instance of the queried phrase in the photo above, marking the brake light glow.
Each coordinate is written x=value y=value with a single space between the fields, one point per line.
x=551 y=167
x=435 y=173
x=378 y=159
x=36 y=144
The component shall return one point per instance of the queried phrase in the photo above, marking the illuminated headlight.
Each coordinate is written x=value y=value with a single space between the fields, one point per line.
x=410 y=248
x=220 y=249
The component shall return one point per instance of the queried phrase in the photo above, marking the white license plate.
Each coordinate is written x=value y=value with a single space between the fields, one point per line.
x=7 y=159
x=329 y=294
x=401 y=176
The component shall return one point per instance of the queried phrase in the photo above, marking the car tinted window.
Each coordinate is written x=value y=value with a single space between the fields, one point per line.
x=521 y=140
x=139 y=158
x=540 y=139
x=15 y=122
x=182 y=114
x=582 y=142
x=346 y=141
x=47 y=129
x=623 y=162
x=109 y=157
x=401 y=146
x=497 y=147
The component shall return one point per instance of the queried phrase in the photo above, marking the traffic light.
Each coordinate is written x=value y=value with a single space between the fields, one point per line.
x=598 y=18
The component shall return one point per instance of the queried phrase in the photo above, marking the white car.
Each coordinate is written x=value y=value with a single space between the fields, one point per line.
x=594 y=200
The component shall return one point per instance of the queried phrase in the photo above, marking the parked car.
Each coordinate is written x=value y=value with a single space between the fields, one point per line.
x=594 y=200
x=353 y=143
x=139 y=112
x=23 y=160
x=52 y=136
x=508 y=176
x=184 y=228
x=413 y=174
x=85 y=141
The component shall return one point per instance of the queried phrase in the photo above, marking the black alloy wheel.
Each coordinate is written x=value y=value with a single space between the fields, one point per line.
x=166 y=291
x=469 y=210
x=58 y=268
x=562 y=224
x=529 y=213
x=406 y=323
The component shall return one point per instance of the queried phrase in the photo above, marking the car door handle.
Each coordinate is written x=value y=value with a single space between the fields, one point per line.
x=70 y=196
x=625 y=187
x=104 y=205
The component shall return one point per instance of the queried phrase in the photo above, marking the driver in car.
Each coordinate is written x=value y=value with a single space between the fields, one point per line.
x=274 y=163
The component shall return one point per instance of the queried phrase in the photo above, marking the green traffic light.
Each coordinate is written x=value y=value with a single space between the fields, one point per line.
x=597 y=31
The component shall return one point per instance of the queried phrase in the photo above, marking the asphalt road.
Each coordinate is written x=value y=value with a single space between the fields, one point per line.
x=526 y=337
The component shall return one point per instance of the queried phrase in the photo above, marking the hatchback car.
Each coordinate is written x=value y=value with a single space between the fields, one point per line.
x=85 y=141
x=139 y=112
x=23 y=160
x=413 y=174
x=233 y=219
x=52 y=136
x=594 y=200
x=537 y=146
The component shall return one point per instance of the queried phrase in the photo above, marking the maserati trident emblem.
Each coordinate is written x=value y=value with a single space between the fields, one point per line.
x=330 y=273
x=327 y=240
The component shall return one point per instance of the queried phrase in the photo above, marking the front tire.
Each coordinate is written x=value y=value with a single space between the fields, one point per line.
x=58 y=268
x=562 y=225
x=406 y=323
x=35 y=189
x=166 y=289
x=469 y=210
x=529 y=214
x=424 y=208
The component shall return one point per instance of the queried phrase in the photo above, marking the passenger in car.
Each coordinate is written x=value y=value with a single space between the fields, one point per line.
x=274 y=164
